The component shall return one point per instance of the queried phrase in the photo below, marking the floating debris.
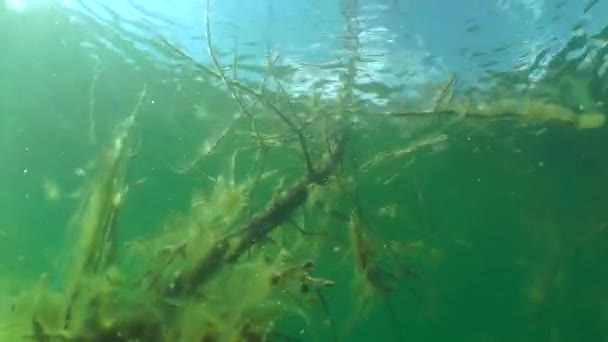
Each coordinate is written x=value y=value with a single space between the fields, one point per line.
x=51 y=190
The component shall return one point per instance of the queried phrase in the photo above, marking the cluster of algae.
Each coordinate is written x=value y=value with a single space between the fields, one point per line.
x=223 y=270
x=534 y=110
x=226 y=269
x=161 y=297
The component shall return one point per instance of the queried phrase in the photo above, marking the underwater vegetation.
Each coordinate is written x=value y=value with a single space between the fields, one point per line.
x=263 y=247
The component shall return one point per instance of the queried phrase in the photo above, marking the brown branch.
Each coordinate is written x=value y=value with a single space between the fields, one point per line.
x=508 y=109
x=233 y=85
x=282 y=206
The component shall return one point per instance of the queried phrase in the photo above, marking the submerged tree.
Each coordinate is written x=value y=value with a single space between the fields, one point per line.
x=245 y=261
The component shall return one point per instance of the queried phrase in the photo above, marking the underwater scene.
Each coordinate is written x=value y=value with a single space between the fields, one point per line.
x=303 y=170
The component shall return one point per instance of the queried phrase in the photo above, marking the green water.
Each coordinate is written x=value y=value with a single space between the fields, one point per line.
x=486 y=229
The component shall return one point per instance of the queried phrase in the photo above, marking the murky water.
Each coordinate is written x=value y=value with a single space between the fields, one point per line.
x=303 y=170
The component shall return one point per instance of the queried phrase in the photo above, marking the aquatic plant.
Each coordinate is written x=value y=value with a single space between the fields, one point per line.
x=242 y=266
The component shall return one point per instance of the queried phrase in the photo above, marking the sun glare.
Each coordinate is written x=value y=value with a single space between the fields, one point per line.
x=15 y=5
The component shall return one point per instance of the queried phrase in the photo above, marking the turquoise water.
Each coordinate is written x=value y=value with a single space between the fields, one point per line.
x=455 y=191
